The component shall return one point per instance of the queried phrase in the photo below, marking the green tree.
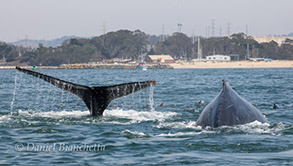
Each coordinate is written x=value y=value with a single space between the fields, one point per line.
x=178 y=46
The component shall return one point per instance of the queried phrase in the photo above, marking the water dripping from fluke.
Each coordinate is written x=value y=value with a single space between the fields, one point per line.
x=96 y=98
x=14 y=93
x=151 y=98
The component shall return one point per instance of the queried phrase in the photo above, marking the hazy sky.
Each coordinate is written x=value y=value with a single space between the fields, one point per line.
x=49 y=19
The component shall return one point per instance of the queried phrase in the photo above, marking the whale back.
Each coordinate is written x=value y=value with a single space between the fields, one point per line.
x=228 y=109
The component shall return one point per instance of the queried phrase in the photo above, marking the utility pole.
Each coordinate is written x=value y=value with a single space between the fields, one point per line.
x=213 y=27
x=179 y=27
x=104 y=28
x=18 y=48
x=247 y=50
x=163 y=32
x=206 y=31
x=44 y=42
x=26 y=40
x=228 y=29
x=246 y=30
x=199 y=49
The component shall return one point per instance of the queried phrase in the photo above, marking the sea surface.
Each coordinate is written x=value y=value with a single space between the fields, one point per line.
x=43 y=125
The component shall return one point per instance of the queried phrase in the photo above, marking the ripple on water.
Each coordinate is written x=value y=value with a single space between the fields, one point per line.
x=134 y=134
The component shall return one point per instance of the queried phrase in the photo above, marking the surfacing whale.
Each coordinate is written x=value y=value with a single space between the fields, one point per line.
x=229 y=109
x=96 y=98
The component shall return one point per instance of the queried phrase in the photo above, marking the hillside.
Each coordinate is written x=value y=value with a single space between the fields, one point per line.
x=125 y=44
x=47 y=43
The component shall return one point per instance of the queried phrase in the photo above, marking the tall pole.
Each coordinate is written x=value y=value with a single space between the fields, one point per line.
x=26 y=40
x=18 y=48
x=248 y=56
x=213 y=27
x=209 y=31
x=246 y=29
x=206 y=31
x=247 y=50
x=228 y=28
x=104 y=28
x=179 y=27
x=163 y=32
x=199 y=50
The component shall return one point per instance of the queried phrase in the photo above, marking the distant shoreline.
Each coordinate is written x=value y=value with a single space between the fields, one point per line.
x=233 y=64
x=177 y=65
x=91 y=66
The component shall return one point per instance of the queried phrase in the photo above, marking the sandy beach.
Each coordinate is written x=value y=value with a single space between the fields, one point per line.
x=232 y=64
x=177 y=65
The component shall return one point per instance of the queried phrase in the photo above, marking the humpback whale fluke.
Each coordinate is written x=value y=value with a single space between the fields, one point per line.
x=96 y=98
x=228 y=109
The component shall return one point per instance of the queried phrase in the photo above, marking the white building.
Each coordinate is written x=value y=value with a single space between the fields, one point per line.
x=160 y=58
x=218 y=58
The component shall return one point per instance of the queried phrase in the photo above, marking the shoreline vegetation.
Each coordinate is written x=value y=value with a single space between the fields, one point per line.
x=135 y=46
x=176 y=65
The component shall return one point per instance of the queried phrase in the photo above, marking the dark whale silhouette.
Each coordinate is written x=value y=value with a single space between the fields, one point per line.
x=229 y=109
x=96 y=98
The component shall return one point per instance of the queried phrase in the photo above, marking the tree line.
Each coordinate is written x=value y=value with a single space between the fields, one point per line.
x=125 y=44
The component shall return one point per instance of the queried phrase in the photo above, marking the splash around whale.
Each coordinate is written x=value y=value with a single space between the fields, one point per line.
x=96 y=98
x=229 y=109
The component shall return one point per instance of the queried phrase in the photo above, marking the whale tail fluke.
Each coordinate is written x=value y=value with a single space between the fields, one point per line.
x=101 y=96
x=96 y=98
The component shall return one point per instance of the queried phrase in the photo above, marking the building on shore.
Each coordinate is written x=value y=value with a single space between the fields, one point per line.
x=218 y=58
x=159 y=59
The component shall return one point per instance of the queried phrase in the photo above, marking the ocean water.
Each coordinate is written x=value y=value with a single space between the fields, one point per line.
x=41 y=124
